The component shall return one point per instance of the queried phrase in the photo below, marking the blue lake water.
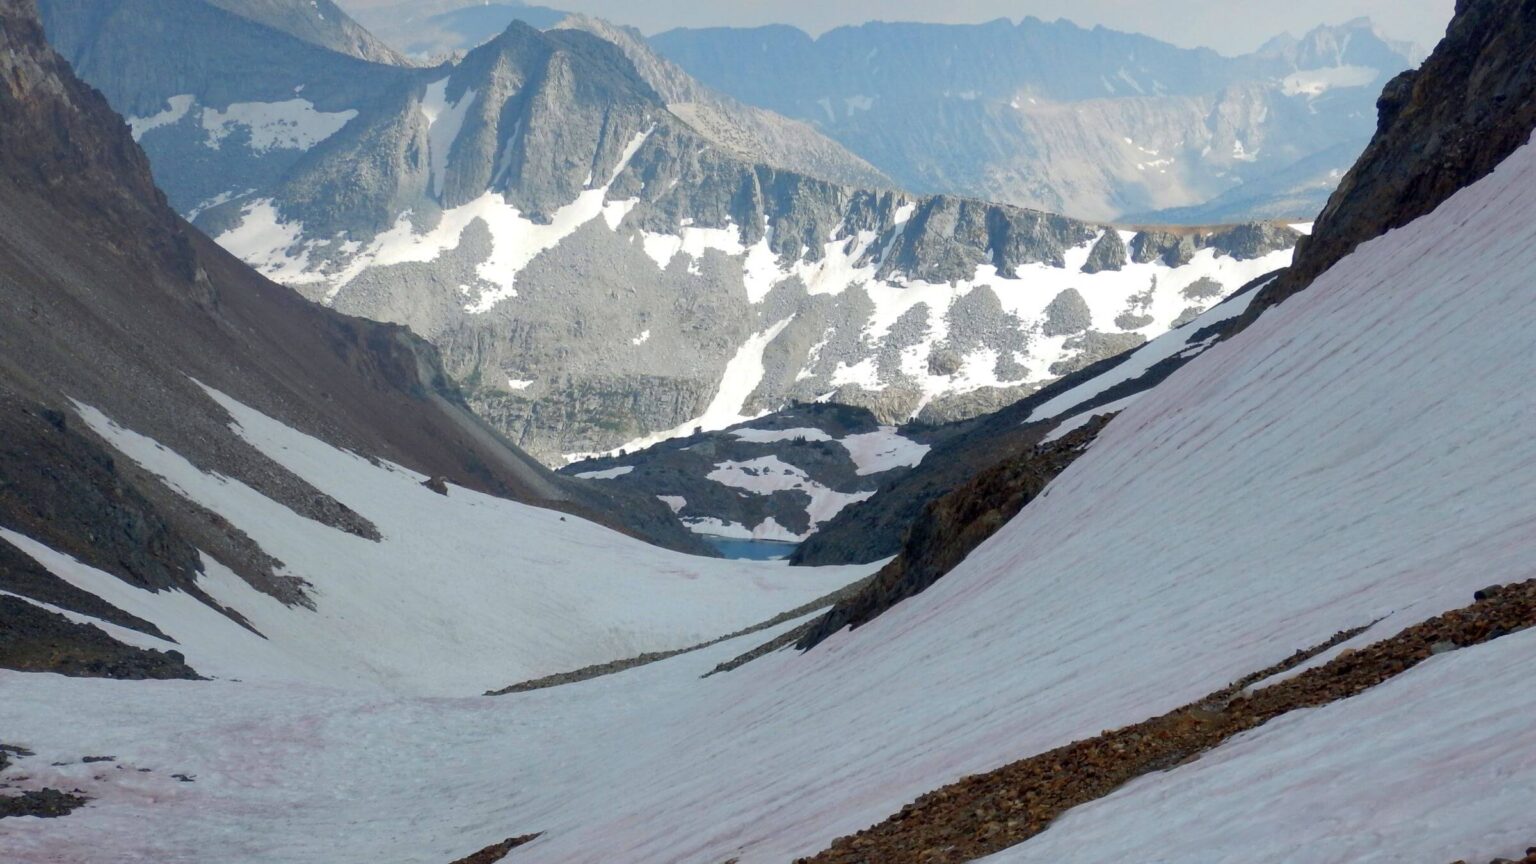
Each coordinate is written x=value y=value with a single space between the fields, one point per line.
x=753 y=550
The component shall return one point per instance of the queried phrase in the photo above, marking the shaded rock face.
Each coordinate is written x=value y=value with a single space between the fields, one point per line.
x=948 y=238
x=1176 y=248
x=60 y=488
x=1108 y=254
x=321 y=22
x=1439 y=128
x=37 y=640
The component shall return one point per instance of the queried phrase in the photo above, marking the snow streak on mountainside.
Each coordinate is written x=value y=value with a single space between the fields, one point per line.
x=1093 y=123
x=1292 y=482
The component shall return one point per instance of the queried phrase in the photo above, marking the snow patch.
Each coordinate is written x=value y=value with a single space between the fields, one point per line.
x=770 y=436
x=178 y=108
x=882 y=450
x=608 y=473
x=1315 y=82
x=290 y=125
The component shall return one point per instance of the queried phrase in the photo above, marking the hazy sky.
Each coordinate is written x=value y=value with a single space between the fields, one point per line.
x=1229 y=26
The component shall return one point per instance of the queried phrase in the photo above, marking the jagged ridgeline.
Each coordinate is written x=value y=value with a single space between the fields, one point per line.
x=608 y=254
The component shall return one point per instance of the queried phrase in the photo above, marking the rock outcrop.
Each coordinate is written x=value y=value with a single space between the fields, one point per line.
x=1439 y=128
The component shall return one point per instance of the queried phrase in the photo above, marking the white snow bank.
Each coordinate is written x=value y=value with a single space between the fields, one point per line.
x=1438 y=764
x=177 y=108
x=882 y=450
x=1315 y=82
x=290 y=125
x=607 y=473
x=769 y=436
x=1294 y=481
x=1078 y=421
x=444 y=122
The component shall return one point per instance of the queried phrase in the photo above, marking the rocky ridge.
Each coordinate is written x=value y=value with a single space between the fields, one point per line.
x=607 y=254
x=321 y=22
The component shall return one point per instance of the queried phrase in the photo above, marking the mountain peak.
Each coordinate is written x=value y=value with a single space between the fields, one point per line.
x=319 y=22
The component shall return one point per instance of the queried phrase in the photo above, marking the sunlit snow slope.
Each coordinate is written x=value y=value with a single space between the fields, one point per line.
x=1361 y=452
x=464 y=593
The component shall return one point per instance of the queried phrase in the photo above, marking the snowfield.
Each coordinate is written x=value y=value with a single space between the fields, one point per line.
x=465 y=593
x=1294 y=481
x=294 y=124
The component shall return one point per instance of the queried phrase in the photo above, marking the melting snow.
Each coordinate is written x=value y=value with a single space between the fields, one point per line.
x=769 y=436
x=742 y=375
x=607 y=473
x=1315 y=82
x=179 y=106
x=768 y=474
x=1142 y=359
x=444 y=122
x=465 y=592
x=290 y=125
x=884 y=449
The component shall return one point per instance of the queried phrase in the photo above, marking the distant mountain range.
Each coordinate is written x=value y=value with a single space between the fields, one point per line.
x=1093 y=123
x=607 y=253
